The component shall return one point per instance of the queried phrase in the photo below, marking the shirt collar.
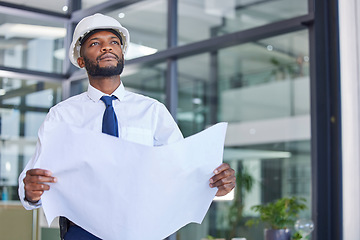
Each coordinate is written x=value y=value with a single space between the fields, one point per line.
x=95 y=94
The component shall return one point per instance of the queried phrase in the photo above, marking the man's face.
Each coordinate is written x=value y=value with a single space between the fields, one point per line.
x=101 y=55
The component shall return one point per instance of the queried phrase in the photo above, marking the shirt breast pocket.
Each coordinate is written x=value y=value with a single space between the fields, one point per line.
x=138 y=135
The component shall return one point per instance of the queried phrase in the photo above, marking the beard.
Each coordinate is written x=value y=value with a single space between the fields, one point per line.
x=94 y=70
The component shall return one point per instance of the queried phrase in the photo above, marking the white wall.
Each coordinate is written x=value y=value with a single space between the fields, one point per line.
x=285 y=129
x=349 y=15
x=267 y=113
x=266 y=101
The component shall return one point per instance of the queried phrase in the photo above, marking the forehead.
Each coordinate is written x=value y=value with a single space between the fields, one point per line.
x=101 y=35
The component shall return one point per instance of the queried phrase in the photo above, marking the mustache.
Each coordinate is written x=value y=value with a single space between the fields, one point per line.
x=99 y=57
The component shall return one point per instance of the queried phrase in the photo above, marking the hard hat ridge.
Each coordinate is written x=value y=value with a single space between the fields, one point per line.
x=96 y=22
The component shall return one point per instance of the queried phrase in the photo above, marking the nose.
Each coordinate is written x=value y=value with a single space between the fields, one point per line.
x=106 y=48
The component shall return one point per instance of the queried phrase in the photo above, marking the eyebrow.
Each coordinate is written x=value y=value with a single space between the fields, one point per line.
x=96 y=38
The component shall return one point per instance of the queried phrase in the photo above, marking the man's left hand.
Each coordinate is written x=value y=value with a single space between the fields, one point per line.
x=224 y=179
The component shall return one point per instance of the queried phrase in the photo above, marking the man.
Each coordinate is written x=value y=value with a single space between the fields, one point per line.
x=98 y=45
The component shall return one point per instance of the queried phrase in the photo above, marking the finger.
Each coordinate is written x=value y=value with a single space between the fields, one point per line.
x=39 y=175
x=225 y=189
x=221 y=168
x=223 y=181
x=36 y=187
x=34 y=191
x=39 y=179
x=39 y=172
x=223 y=174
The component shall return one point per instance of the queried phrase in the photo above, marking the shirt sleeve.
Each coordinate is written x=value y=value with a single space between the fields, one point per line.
x=166 y=129
x=32 y=164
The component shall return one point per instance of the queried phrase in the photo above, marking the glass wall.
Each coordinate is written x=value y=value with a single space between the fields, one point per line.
x=269 y=79
x=31 y=44
x=147 y=23
x=261 y=88
x=146 y=80
x=24 y=104
x=59 y=6
x=263 y=93
x=194 y=81
x=200 y=20
x=91 y=3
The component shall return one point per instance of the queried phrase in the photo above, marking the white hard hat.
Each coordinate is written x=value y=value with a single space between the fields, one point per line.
x=93 y=22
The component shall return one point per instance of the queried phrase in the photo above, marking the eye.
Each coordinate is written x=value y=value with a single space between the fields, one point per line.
x=115 y=42
x=94 y=43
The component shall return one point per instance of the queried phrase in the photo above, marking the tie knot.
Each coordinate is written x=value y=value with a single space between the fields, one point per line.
x=108 y=100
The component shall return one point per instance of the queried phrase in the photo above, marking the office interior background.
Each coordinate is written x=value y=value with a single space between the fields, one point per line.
x=282 y=73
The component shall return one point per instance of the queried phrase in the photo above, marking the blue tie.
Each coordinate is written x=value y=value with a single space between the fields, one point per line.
x=110 y=124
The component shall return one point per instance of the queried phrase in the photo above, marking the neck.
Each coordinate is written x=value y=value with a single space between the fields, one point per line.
x=106 y=85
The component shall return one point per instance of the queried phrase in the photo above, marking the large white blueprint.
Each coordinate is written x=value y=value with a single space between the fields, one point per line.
x=117 y=189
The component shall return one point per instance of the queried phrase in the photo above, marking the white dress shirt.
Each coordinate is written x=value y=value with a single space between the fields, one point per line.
x=141 y=119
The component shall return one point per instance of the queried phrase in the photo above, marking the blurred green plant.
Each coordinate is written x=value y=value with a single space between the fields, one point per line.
x=296 y=236
x=281 y=70
x=279 y=214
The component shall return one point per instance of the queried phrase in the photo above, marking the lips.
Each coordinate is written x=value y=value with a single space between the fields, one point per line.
x=107 y=56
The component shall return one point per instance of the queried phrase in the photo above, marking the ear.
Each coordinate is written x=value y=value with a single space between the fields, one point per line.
x=81 y=62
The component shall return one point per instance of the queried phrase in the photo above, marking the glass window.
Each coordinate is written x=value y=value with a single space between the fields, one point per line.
x=31 y=44
x=23 y=107
x=268 y=78
x=147 y=80
x=147 y=25
x=199 y=20
x=59 y=6
x=263 y=93
x=193 y=77
x=90 y=3
x=79 y=86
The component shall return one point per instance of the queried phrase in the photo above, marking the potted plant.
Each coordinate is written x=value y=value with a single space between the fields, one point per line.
x=278 y=216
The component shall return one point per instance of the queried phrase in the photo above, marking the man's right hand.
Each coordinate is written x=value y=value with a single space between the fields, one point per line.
x=35 y=183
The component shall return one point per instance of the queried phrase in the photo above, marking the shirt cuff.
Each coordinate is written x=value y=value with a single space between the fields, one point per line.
x=29 y=205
